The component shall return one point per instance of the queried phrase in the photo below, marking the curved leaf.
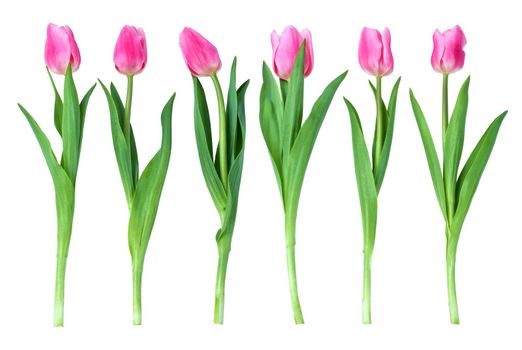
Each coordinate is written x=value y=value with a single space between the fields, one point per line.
x=83 y=112
x=431 y=154
x=70 y=127
x=365 y=180
x=58 y=105
x=386 y=148
x=148 y=191
x=204 y=144
x=231 y=111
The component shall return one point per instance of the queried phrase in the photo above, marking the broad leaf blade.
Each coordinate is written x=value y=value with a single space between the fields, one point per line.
x=293 y=109
x=270 y=118
x=121 y=149
x=453 y=145
x=70 y=127
x=431 y=154
x=472 y=172
x=204 y=144
x=231 y=111
x=386 y=148
x=365 y=180
x=301 y=151
x=149 y=188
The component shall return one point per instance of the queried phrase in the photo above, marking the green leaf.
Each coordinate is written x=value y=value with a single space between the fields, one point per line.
x=383 y=106
x=431 y=154
x=386 y=148
x=231 y=111
x=120 y=148
x=302 y=149
x=149 y=188
x=204 y=143
x=121 y=116
x=472 y=172
x=270 y=118
x=83 y=112
x=70 y=127
x=365 y=180
x=293 y=109
x=224 y=235
x=453 y=145
x=58 y=105
x=64 y=188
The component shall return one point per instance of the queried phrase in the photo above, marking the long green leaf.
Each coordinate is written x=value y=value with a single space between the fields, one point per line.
x=431 y=154
x=120 y=148
x=386 y=148
x=270 y=117
x=204 y=144
x=231 y=111
x=293 y=110
x=148 y=191
x=453 y=145
x=472 y=172
x=70 y=127
x=64 y=188
x=365 y=180
x=385 y=125
x=301 y=151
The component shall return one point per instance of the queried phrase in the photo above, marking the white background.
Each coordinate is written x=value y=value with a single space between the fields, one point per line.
x=409 y=285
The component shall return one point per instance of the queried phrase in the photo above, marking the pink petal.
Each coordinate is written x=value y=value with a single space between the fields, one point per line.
x=130 y=52
x=370 y=51
x=454 y=55
x=57 y=49
x=201 y=57
x=286 y=51
x=387 y=57
x=438 y=51
x=309 y=53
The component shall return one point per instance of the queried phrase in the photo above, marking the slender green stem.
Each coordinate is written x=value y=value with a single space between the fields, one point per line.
x=284 y=89
x=444 y=105
x=452 y=288
x=127 y=115
x=379 y=124
x=367 y=290
x=59 y=291
x=290 y=219
x=137 y=272
x=219 y=305
x=223 y=158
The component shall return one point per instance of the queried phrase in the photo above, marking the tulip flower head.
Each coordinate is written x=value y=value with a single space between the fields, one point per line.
x=448 y=54
x=201 y=57
x=375 y=56
x=61 y=49
x=130 y=53
x=285 y=48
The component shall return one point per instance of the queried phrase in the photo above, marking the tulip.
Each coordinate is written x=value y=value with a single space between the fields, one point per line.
x=201 y=57
x=375 y=56
x=448 y=54
x=285 y=48
x=130 y=53
x=61 y=49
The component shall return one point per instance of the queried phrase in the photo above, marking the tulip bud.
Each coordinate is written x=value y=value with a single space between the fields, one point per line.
x=61 y=49
x=448 y=54
x=285 y=49
x=201 y=57
x=375 y=56
x=130 y=53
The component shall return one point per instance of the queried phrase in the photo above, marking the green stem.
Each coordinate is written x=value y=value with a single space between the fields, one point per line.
x=380 y=124
x=127 y=114
x=59 y=291
x=452 y=288
x=290 y=219
x=284 y=89
x=367 y=290
x=137 y=272
x=444 y=105
x=219 y=305
x=223 y=167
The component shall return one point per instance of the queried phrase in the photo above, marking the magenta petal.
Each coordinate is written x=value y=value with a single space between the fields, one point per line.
x=286 y=51
x=370 y=50
x=438 y=51
x=309 y=53
x=387 y=57
x=454 y=55
x=130 y=52
x=201 y=57
x=57 y=49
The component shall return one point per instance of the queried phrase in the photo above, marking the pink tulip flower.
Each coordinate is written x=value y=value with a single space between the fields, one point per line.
x=448 y=54
x=375 y=56
x=285 y=48
x=61 y=49
x=130 y=53
x=201 y=57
